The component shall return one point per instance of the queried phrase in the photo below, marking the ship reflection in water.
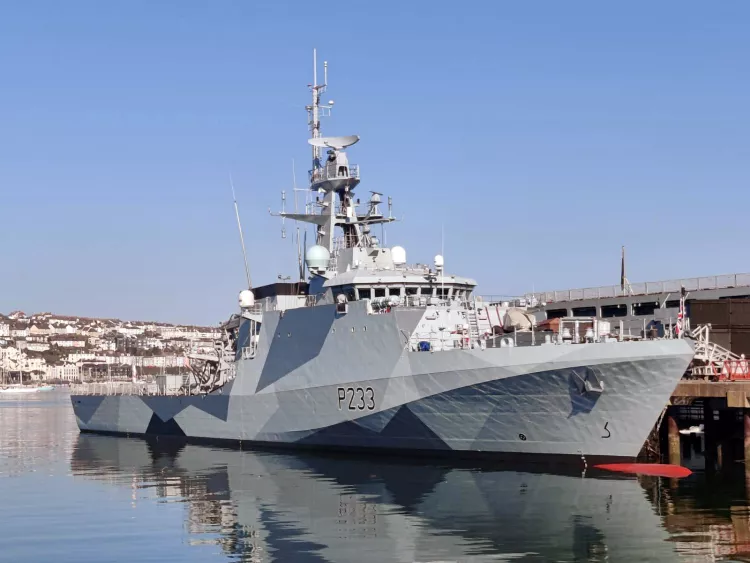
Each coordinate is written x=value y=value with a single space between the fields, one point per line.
x=77 y=498
x=261 y=506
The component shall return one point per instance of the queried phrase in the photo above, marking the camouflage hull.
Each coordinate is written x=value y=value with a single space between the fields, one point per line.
x=334 y=387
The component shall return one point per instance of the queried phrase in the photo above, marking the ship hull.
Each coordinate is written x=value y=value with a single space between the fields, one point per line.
x=542 y=402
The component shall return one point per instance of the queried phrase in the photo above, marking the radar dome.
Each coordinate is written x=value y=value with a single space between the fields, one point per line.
x=438 y=261
x=317 y=257
x=247 y=299
x=399 y=255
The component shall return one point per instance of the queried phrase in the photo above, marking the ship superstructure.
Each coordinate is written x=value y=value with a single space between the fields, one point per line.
x=373 y=353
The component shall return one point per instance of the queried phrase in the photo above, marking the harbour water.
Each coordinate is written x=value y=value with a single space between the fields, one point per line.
x=80 y=498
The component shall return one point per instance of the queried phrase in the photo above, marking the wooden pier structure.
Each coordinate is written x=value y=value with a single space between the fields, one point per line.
x=716 y=391
x=723 y=410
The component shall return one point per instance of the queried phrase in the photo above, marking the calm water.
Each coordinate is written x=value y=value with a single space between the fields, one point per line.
x=80 y=498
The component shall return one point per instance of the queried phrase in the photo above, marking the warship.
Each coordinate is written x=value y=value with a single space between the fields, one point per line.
x=374 y=353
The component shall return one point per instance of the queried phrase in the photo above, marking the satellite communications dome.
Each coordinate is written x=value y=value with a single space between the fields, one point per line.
x=247 y=299
x=438 y=261
x=317 y=257
x=399 y=255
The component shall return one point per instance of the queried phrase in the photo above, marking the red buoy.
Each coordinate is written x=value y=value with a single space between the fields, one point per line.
x=657 y=469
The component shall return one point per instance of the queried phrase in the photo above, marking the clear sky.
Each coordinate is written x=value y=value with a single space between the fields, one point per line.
x=542 y=135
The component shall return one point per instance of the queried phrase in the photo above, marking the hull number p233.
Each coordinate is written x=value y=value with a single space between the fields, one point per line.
x=356 y=398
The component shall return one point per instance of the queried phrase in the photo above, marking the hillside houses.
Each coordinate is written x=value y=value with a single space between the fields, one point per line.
x=4 y=327
x=51 y=347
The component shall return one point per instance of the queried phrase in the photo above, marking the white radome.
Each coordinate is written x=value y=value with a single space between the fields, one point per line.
x=399 y=255
x=317 y=257
x=247 y=299
x=438 y=261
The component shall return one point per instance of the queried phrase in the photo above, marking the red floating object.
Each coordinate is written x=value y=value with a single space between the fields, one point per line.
x=658 y=469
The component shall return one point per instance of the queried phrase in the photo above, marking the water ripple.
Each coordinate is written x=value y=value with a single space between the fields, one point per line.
x=86 y=498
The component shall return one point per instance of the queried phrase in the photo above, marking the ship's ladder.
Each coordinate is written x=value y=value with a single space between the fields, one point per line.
x=719 y=361
x=471 y=316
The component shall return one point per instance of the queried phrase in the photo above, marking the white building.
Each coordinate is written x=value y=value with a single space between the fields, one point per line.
x=76 y=357
x=10 y=358
x=110 y=360
x=151 y=342
x=130 y=330
x=67 y=341
x=19 y=330
x=34 y=364
x=171 y=332
x=163 y=361
x=105 y=345
x=39 y=329
x=66 y=372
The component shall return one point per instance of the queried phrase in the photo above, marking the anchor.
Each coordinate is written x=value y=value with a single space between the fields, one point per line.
x=590 y=383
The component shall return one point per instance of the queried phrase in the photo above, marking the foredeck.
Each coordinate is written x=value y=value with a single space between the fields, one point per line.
x=724 y=281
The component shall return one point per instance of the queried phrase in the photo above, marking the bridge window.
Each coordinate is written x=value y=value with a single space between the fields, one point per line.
x=443 y=292
x=674 y=304
x=364 y=293
x=557 y=313
x=346 y=290
x=584 y=311
x=619 y=310
x=412 y=290
x=644 y=308
x=379 y=292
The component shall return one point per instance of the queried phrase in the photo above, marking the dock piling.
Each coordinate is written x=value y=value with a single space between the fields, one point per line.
x=674 y=441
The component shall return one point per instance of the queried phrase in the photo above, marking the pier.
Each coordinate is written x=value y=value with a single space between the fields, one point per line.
x=709 y=411
x=709 y=420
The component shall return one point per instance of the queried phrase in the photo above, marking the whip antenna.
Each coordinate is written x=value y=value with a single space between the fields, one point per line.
x=242 y=240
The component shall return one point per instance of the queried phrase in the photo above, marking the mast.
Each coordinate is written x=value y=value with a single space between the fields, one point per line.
x=314 y=110
x=333 y=181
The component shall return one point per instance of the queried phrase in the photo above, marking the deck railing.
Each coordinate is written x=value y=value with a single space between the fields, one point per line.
x=644 y=288
x=117 y=388
x=331 y=172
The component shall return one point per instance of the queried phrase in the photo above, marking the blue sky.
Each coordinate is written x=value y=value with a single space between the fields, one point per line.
x=542 y=135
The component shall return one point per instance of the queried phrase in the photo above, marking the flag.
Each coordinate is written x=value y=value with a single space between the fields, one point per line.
x=681 y=312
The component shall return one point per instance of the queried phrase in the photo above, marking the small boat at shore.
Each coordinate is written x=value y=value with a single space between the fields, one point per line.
x=26 y=388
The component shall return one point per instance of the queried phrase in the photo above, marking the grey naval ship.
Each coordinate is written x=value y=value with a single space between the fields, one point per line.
x=374 y=353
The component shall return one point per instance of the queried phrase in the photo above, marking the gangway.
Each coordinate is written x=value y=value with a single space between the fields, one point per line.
x=719 y=363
